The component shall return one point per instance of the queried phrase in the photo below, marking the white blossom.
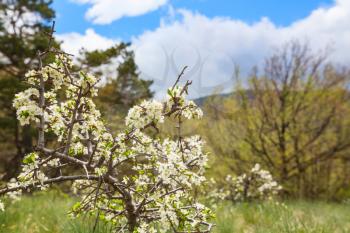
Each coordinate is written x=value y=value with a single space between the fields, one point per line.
x=144 y=114
x=257 y=184
x=27 y=107
x=2 y=206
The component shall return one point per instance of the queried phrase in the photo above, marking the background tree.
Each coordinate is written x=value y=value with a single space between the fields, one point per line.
x=294 y=120
x=23 y=24
x=121 y=87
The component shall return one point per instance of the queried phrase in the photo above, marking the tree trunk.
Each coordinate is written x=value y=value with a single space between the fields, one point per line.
x=24 y=144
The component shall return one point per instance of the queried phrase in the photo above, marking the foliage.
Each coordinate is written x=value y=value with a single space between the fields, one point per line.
x=154 y=195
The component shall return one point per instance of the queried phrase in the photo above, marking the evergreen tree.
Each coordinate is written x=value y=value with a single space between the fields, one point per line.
x=121 y=87
x=23 y=25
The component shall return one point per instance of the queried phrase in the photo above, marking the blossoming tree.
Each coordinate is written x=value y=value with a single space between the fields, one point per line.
x=154 y=196
x=257 y=184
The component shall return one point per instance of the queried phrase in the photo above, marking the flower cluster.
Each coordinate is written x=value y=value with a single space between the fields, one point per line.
x=2 y=206
x=27 y=109
x=146 y=113
x=154 y=112
x=214 y=192
x=257 y=184
x=32 y=171
x=187 y=108
x=134 y=180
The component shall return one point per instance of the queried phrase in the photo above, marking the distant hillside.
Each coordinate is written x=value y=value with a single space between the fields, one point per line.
x=200 y=101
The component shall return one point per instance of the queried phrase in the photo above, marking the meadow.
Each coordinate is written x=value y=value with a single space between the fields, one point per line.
x=43 y=213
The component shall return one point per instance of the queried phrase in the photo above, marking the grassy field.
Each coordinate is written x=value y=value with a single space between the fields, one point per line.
x=47 y=213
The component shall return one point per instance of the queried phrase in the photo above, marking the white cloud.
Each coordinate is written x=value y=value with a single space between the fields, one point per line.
x=73 y=42
x=107 y=11
x=211 y=46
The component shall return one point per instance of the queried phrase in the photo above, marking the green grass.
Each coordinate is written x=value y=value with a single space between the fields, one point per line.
x=47 y=213
x=293 y=217
x=44 y=213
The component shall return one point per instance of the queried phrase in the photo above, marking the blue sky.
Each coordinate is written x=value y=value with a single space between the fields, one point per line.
x=70 y=16
x=211 y=37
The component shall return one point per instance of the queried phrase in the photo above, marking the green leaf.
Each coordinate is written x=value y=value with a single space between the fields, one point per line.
x=30 y=158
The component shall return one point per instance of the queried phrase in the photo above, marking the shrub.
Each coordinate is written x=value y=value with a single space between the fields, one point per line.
x=154 y=194
x=257 y=184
